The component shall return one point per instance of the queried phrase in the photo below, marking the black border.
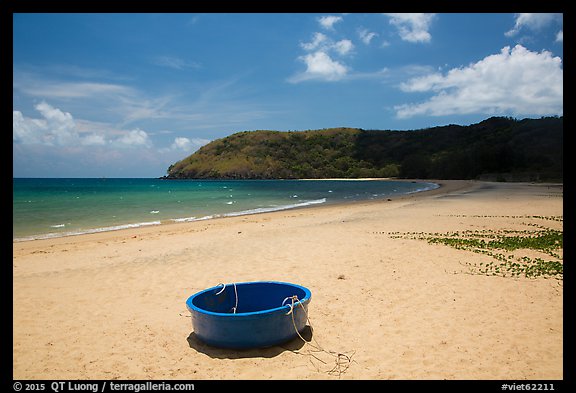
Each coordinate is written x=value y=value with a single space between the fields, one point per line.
x=9 y=7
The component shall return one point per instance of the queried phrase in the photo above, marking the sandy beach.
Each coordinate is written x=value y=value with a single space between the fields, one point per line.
x=112 y=305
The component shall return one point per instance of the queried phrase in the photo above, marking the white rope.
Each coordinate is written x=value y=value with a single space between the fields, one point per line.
x=222 y=290
x=342 y=361
x=235 y=294
x=339 y=367
x=290 y=305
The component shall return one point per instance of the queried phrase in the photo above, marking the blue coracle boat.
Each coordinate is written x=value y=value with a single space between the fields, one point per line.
x=249 y=314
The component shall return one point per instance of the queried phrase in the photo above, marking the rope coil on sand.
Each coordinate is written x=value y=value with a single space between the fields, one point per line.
x=342 y=361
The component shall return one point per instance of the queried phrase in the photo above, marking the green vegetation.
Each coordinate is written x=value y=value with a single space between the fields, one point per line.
x=497 y=148
x=499 y=245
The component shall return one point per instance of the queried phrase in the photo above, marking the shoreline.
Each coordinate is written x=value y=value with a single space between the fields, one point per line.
x=445 y=187
x=171 y=221
x=113 y=304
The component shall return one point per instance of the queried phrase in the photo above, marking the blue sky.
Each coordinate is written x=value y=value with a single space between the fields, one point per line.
x=126 y=95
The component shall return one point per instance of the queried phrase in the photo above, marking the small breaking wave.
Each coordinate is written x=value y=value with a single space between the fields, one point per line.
x=275 y=208
x=252 y=211
x=85 y=231
x=427 y=187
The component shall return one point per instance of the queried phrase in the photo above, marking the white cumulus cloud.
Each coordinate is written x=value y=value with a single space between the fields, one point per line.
x=366 y=36
x=93 y=140
x=343 y=47
x=533 y=22
x=328 y=22
x=60 y=125
x=181 y=143
x=318 y=40
x=58 y=128
x=321 y=42
x=320 y=66
x=52 y=142
x=188 y=145
x=134 y=138
x=320 y=62
x=412 y=27
x=55 y=127
x=24 y=130
x=516 y=81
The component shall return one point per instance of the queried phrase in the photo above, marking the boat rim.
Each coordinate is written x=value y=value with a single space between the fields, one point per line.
x=192 y=307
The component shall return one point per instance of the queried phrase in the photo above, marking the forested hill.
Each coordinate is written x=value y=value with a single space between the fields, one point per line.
x=497 y=148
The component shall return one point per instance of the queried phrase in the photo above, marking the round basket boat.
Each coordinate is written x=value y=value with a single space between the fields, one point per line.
x=249 y=314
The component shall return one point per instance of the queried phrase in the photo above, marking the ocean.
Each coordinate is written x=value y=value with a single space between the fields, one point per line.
x=46 y=208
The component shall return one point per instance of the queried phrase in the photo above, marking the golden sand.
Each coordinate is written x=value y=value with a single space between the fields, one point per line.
x=112 y=305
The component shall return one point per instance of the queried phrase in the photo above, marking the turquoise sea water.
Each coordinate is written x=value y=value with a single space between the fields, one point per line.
x=44 y=208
